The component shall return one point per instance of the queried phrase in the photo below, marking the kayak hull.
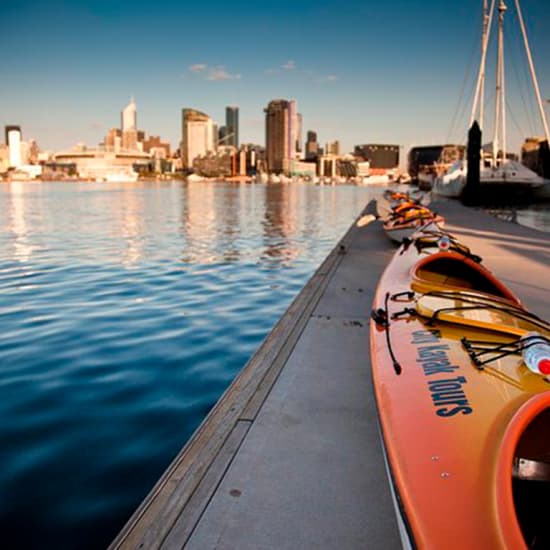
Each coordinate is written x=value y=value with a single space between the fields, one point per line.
x=450 y=430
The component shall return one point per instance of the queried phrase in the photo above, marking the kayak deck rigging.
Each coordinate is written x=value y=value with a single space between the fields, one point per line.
x=478 y=348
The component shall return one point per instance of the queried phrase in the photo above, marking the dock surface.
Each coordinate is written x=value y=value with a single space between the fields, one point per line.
x=290 y=457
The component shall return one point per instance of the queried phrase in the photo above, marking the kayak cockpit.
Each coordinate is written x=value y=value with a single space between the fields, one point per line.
x=524 y=470
x=454 y=271
x=531 y=482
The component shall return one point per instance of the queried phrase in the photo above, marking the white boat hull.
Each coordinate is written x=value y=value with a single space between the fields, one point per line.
x=121 y=178
x=509 y=179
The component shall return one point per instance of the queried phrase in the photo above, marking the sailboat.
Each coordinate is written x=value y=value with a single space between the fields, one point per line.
x=499 y=176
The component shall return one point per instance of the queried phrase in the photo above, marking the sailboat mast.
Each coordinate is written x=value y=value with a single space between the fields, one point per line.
x=502 y=79
x=499 y=133
x=479 y=94
x=483 y=46
x=533 y=74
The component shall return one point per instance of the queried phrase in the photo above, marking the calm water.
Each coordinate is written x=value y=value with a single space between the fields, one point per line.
x=125 y=311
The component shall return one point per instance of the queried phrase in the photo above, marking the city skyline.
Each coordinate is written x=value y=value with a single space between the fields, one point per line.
x=361 y=72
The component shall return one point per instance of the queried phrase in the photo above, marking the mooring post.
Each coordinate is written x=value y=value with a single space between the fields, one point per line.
x=544 y=160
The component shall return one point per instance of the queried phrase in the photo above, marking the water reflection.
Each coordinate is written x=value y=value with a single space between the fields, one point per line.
x=112 y=299
x=17 y=222
x=280 y=223
x=129 y=210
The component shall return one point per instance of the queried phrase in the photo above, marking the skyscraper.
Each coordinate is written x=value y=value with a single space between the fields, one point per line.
x=197 y=136
x=128 y=118
x=332 y=148
x=299 y=135
x=282 y=134
x=13 y=141
x=312 y=146
x=232 y=125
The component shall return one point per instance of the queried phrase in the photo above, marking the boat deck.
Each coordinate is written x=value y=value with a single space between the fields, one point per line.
x=290 y=457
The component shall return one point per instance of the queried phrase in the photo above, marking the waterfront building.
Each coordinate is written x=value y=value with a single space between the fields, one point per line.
x=304 y=168
x=255 y=158
x=4 y=158
x=129 y=140
x=153 y=143
x=228 y=162
x=535 y=154
x=113 y=140
x=327 y=165
x=379 y=155
x=332 y=148
x=282 y=127
x=13 y=141
x=362 y=168
x=24 y=153
x=33 y=151
x=312 y=146
x=215 y=165
x=232 y=126
x=249 y=160
x=346 y=167
x=98 y=164
x=54 y=171
x=197 y=136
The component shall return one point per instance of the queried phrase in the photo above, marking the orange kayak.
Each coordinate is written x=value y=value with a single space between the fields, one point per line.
x=465 y=423
x=406 y=219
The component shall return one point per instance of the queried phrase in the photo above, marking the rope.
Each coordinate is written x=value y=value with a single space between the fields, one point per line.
x=461 y=105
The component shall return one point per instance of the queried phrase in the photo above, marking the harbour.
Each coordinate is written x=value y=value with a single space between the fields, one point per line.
x=150 y=345
x=264 y=285
x=294 y=442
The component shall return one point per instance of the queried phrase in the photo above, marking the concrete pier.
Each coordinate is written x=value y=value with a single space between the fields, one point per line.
x=290 y=457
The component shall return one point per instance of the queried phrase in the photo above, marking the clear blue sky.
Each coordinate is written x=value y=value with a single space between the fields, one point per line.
x=361 y=71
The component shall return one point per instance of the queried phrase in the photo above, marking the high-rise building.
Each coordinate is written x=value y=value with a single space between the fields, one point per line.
x=282 y=135
x=222 y=135
x=128 y=119
x=276 y=135
x=299 y=134
x=128 y=116
x=332 y=148
x=197 y=136
x=232 y=126
x=13 y=141
x=312 y=146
